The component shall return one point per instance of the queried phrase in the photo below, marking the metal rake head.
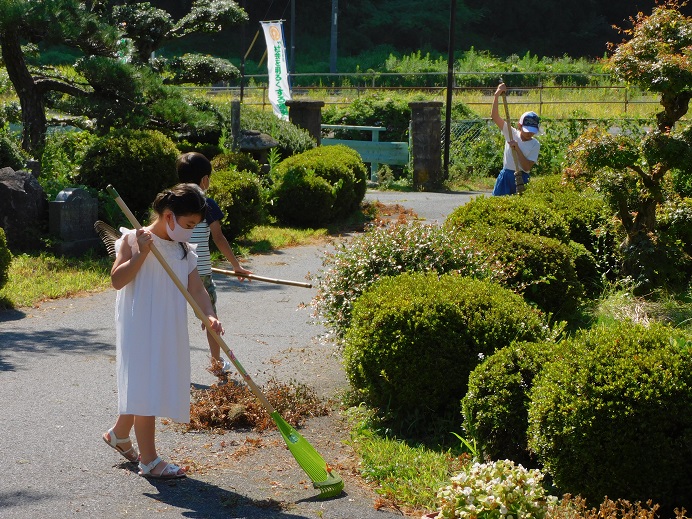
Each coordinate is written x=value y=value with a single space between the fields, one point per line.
x=108 y=235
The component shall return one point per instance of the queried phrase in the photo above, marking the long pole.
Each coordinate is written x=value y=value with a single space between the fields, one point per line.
x=292 y=67
x=242 y=61
x=518 y=178
x=332 y=49
x=261 y=278
x=450 y=85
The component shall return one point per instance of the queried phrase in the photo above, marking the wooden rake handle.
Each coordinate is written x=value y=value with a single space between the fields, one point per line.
x=261 y=278
x=518 y=178
x=198 y=310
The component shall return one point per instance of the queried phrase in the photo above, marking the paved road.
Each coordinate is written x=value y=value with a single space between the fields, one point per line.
x=431 y=207
x=58 y=390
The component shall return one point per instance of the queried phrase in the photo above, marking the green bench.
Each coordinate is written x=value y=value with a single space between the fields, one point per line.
x=373 y=151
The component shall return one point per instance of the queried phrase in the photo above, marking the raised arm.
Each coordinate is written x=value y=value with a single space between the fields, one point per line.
x=495 y=112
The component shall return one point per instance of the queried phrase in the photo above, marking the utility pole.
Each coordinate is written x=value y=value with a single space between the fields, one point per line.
x=332 y=50
x=450 y=86
x=292 y=64
x=242 y=60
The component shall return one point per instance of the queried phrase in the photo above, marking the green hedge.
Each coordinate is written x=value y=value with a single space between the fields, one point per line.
x=414 y=339
x=237 y=160
x=340 y=166
x=518 y=213
x=674 y=225
x=61 y=159
x=356 y=264
x=10 y=154
x=240 y=197
x=541 y=269
x=583 y=210
x=496 y=406
x=5 y=259
x=303 y=198
x=138 y=163
x=612 y=418
x=380 y=109
x=292 y=140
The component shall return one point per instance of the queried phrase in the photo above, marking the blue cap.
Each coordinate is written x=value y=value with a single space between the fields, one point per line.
x=529 y=122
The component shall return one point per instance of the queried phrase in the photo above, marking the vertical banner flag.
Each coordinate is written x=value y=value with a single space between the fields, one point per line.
x=279 y=91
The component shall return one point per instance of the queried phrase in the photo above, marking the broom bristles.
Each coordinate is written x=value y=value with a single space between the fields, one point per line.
x=323 y=477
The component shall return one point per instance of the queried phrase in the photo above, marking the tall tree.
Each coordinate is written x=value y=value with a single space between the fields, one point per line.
x=113 y=45
x=633 y=171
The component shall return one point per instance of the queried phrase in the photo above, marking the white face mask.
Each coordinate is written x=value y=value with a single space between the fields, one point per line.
x=179 y=233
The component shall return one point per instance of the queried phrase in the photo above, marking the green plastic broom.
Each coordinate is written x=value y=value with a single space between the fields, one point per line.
x=323 y=477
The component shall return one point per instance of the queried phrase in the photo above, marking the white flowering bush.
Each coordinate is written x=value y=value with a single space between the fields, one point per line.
x=497 y=490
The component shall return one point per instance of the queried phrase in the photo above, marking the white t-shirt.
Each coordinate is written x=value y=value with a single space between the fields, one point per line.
x=529 y=148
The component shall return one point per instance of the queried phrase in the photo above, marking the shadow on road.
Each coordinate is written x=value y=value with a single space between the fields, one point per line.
x=60 y=340
x=204 y=500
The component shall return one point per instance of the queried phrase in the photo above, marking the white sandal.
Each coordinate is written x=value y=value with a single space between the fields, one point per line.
x=130 y=454
x=170 y=471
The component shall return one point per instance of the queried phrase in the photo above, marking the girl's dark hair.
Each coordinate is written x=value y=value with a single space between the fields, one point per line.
x=192 y=167
x=182 y=200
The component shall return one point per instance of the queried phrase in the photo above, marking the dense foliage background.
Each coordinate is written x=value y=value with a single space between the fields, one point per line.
x=578 y=28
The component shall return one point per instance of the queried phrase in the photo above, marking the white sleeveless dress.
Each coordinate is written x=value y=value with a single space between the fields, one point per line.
x=152 y=342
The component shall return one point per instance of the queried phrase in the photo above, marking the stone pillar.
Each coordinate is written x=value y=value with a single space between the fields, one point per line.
x=426 y=137
x=307 y=114
x=71 y=220
x=23 y=209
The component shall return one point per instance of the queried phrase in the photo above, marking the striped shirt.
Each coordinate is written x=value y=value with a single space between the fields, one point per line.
x=200 y=237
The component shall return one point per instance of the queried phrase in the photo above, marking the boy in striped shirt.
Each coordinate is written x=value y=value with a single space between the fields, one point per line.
x=195 y=168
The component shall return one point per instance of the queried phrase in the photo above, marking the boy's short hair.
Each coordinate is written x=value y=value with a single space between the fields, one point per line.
x=192 y=167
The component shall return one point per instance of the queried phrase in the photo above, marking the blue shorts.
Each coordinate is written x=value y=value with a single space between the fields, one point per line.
x=505 y=183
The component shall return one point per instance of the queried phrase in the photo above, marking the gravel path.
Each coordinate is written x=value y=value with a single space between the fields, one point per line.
x=57 y=381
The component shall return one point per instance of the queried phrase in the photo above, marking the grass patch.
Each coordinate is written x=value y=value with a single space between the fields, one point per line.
x=34 y=278
x=265 y=238
x=407 y=476
x=619 y=302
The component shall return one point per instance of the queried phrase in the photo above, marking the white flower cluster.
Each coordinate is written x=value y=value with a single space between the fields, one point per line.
x=497 y=490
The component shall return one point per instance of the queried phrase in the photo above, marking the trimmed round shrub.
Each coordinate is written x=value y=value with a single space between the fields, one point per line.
x=674 y=248
x=5 y=259
x=518 y=213
x=496 y=405
x=378 y=109
x=541 y=269
x=590 y=224
x=292 y=140
x=682 y=183
x=237 y=160
x=138 y=163
x=10 y=155
x=239 y=196
x=414 y=339
x=588 y=269
x=585 y=212
x=613 y=417
x=62 y=156
x=209 y=150
x=340 y=166
x=303 y=198
x=387 y=251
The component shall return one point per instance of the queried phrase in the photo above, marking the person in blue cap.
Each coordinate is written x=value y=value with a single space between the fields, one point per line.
x=520 y=139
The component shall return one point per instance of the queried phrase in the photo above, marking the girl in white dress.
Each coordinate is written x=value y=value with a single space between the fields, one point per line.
x=152 y=343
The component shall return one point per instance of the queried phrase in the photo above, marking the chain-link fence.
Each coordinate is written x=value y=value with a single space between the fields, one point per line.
x=462 y=132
